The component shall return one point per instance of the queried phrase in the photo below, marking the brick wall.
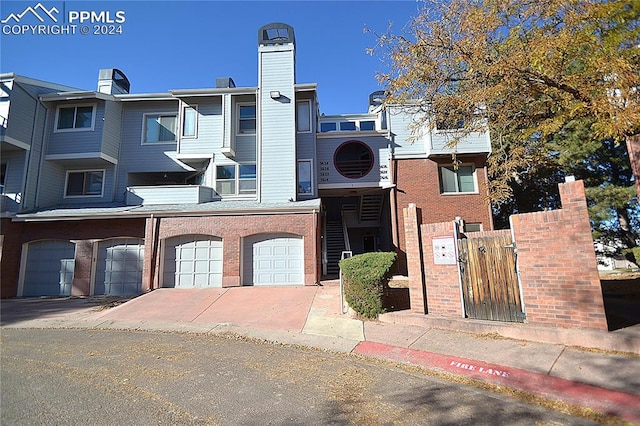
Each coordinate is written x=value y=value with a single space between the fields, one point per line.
x=556 y=261
x=557 y=264
x=10 y=251
x=442 y=284
x=83 y=232
x=88 y=232
x=232 y=229
x=417 y=290
x=418 y=183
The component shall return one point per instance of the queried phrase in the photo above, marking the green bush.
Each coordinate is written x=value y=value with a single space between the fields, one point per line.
x=632 y=254
x=364 y=278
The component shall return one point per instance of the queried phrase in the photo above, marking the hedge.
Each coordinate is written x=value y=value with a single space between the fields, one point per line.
x=364 y=278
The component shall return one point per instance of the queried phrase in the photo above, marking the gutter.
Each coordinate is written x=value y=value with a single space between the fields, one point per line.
x=181 y=213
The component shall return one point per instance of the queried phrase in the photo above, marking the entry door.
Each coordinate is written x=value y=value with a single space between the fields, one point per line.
x=489 y=281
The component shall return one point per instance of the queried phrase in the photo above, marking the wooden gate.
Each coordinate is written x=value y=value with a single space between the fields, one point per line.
x=489 y=280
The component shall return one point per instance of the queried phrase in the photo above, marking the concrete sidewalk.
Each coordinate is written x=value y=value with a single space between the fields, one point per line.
x=542 y=361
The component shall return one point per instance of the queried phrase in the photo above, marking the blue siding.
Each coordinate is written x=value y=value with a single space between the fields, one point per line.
x=278 y=151
x=136 y=157
x=112 y=129
x=22 y=112
x=210 y=128
x=329 y=175
x=403 y=143
x=81 y=141
x=441 y=143
x=33 y=162
x=15 y=161
x=51 y=184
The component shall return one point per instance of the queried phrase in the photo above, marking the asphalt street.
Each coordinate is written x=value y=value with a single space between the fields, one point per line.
x=106 y=377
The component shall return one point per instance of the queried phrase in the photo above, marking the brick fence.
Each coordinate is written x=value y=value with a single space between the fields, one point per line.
x=556 y=263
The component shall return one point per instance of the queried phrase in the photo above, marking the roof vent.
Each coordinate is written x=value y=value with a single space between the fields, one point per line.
x=276 y=33
x=112 y=81
x=225 y=83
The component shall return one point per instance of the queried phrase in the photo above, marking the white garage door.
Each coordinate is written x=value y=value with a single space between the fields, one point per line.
x=49 y=268
x=193 y=261
x=274 y=259
x=119 y=268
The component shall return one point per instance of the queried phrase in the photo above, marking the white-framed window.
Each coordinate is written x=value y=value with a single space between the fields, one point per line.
x=460 y=180
x=190 y=121
x=305 y=177
x=328 y=127
x=303 y=116
x=472 y=227
x=73 y=118
x=84 y=183
x=246 y=118
x=159 y=128
x=236 y=179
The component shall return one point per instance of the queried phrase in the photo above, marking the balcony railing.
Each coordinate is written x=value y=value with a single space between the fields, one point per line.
x=169 y=194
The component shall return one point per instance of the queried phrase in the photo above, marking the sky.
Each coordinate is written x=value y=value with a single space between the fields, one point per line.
x=167 y=45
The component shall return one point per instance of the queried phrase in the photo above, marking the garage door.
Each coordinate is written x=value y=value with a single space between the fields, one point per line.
x=119 y=267
x=193 y=261
x=274 y=259
x=49 y=268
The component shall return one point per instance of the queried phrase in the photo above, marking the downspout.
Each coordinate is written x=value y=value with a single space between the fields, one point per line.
x=316 y=243
x=43 y=147
x=393 y=199
x=155 y=228
x=25 y=172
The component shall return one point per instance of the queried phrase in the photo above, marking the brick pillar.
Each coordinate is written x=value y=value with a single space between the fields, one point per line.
x=151 y=248
x=82 y=268
x=415 y=270
x=231 y=267
x=442 y=280
x=557 y=264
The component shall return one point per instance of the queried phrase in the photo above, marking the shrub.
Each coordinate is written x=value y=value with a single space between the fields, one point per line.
x=632 y=255
x=364 y=278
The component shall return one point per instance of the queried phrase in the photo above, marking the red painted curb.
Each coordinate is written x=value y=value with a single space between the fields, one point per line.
x=620 y=404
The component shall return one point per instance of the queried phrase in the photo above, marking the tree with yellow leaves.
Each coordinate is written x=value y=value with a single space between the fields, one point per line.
x=527 y=68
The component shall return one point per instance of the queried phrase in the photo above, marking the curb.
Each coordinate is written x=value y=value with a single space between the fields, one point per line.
x=620 y=404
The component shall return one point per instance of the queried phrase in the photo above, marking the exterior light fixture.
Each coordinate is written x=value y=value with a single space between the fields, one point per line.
x=275 y=94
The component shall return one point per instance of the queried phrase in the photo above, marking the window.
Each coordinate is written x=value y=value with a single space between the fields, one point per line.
x=304 y=177
x=472 y=227
x=236 y=179
x=367 y=125
x=353 y=159
x=75 y=118
x=84 y=183
x=247 y=118
x=303 y=117
x=347 y=126
x=189 y=121
x=328 y=127
x=159 y=128
x=461 y=180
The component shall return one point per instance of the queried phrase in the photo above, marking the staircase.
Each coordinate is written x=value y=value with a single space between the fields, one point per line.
x=370 y=207
x=335 y=245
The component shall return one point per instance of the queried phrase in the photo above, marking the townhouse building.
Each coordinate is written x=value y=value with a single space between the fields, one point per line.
x=112 y=192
